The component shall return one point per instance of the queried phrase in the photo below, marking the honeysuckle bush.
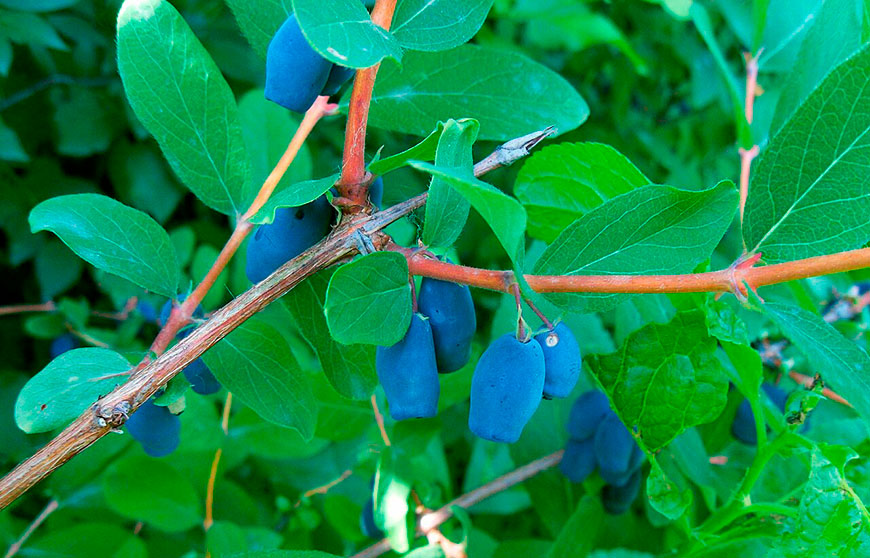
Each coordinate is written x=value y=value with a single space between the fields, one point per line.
x=135 y=137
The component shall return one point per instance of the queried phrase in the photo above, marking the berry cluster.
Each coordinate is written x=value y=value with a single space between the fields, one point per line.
x=295 y=73
x=598 y=439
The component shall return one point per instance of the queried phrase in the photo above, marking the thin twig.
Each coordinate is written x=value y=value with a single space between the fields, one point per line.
x=43 y=515
x=808 y=382
x=379 y=419
x=323 y=489
x=212 y=477
x=747 y=155
x=24 y=308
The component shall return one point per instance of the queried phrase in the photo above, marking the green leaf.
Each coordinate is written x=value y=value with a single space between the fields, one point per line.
x=664 y=379
x=343 y=32
x=266 y=128
x=29 y=29
x=369 y=300
x=179 y=95
x=62 y=390
x=509 y=94
x=293 y=195
x=113 y=237
x=57 y=269
x=87 y=539
x=423 y=151
x=84 y=123
x=349 y=368
x=260 y=20
x=818 y=53
x=810 y=192
x=152 y=491
x=254 y=362
x=446 y=208
x=666 y=496
x=142 y=179
x=561 y=183
x=284 y=554
x=650 y=230
x=832 y=521
x=841 y=362
x=437 y=24
x=578 y=536
x=505 y=216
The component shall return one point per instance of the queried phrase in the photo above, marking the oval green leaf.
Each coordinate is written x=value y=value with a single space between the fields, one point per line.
x=434 y=25
x=369 y=300
x=113 y=237
x=180 y=96
x=61 y=391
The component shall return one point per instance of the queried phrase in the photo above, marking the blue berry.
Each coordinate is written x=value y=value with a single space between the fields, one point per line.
x=451 y=313
x=614 y=447
x=338 y=76
x=578 y=462
x=506 y=388
x=294 y=230
x=587 y=412
x=155 y=428
x=408 y=373
x=563 y=360
x=295 y=72
x=62 y=344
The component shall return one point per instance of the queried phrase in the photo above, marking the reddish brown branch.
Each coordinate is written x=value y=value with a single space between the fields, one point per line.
x=24 y=308
x=808 y=382
x=430 y=521
x=712 y=281
x=747 y=155
x=354 y=181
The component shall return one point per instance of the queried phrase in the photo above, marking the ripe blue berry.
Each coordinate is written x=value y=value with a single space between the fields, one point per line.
x=338 y=76
x=743 y=427
x=563 y=360
x=506 y=388
x=367 y=521
x=408 y=373
x=155 y=428
x=202 y=381
x=587 y=412
x=295 y=72
x=62 y=344
x=147 y=310
x=294 y=230
x=451 y=314
x=618 y=499
x=614 y=447
x=578 y=462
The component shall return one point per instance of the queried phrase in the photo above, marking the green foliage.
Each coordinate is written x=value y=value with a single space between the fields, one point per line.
x=136 y=132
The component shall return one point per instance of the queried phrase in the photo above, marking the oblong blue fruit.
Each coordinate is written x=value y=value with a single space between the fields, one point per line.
x=451 y=313
x=295 y=73
x=618 y=499
x=506 y=388
x=147 y=310
x=202 y=381
x=338 y=76
x=614 y=446
x=294 y=230
x=408 y=373
x=155 y=428
x=62 y=344
x=563 y=360
x=578 y=461
x=743 y=427
x=587 y=412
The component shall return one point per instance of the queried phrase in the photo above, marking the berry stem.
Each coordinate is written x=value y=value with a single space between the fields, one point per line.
x=379 y=419
x=521 y=329
x=413 y=293
x=540 y=314
x=354 y=182
x=40 y=519
x=808 y=381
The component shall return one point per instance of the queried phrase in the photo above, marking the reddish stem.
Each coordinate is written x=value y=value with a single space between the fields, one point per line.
x=538 y=313
x=379 y=419
x=711 y=281
x=808 y=381
x=353 y=184
x=22 y=308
